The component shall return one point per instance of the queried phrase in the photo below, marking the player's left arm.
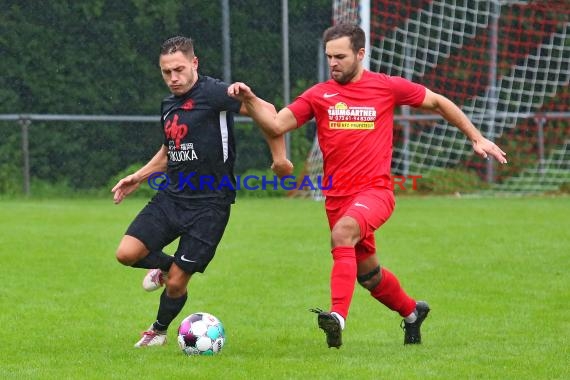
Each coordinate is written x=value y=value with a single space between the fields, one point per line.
x=281 y=165
x=454 y=115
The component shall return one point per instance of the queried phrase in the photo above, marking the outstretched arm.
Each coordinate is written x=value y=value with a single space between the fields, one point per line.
x=131 y=182
x=271 y=122
x=453 y=114
x=265 y=115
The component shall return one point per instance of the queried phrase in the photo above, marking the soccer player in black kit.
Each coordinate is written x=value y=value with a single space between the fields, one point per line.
x=197 y=155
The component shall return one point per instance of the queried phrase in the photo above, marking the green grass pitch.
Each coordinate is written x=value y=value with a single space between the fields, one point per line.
x=494 y=270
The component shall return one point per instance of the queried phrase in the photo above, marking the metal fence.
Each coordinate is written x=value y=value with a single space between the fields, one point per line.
x=253 y=154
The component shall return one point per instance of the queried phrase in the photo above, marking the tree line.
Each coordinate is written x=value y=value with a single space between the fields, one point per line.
x=101 y=57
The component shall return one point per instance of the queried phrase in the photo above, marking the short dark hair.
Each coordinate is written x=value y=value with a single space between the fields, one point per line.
x=178 y=43
x=354 y=32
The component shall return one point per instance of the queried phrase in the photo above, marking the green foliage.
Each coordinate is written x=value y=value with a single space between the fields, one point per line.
x=100 y=57
x=85 y=155
x=43 y=189
x=11 y=161
x=10 y=179
x=564 y=179
x=565 y=188
x=522 y=146
x=449 y=181
x=252 y=150
x=301 y=141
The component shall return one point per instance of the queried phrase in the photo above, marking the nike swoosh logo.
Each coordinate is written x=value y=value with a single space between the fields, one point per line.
x=185 y=259
x=361 y=205
x=325 y=95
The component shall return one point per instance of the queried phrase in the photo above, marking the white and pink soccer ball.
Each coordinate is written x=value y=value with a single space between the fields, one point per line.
x=201 y=334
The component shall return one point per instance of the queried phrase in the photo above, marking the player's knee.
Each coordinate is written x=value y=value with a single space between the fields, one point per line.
x=125 y=257
x=345 y=232
x=130 y=250
x=122 y=258
x=175 y=288
x=371 y=279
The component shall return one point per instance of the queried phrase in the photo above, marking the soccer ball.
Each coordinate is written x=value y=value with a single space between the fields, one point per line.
x=201 y=334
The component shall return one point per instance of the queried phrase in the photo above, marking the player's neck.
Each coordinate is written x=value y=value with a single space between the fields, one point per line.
x=358 y=75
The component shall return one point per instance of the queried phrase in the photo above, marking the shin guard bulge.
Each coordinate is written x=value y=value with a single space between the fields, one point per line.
x=390 y=293
x=343 y=279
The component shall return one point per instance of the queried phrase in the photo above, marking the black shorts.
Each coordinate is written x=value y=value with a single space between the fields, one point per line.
x=199 y=224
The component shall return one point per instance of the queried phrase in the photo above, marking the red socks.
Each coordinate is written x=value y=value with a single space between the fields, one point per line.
x=391 y=294
x=343 y=279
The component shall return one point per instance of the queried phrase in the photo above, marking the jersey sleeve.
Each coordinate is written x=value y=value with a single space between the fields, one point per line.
x=220 y=99
x=301 y=108
x=407 y=93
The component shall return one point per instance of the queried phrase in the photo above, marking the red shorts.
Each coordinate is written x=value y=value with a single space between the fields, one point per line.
x=371 y=208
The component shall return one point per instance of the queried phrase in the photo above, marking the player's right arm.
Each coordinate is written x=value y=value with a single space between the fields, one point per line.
x=131 y=182
x=272 y=124
x=454 y=115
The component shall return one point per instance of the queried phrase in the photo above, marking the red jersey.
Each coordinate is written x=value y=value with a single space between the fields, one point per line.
x=355 y=123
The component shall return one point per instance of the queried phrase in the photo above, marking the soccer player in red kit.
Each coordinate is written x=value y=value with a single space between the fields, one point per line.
x=354 y=113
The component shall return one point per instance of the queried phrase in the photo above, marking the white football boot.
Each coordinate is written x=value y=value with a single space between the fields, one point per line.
x=153 y=280
x=151 y=337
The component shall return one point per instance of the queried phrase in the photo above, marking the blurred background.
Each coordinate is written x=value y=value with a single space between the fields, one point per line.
x=63 y=58
x=80 y=88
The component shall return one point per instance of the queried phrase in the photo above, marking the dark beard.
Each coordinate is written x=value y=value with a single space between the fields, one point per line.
x=345 y=78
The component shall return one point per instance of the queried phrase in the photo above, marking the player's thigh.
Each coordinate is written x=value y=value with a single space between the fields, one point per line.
x=201 y=237
x=152 y=227
x=371 y=209
x=130 y=250
x=335 y=207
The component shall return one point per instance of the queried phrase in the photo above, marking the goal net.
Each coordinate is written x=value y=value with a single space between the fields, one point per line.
x=505 y=63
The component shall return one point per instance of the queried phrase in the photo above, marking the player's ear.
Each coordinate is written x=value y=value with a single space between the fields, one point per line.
x=360 y=55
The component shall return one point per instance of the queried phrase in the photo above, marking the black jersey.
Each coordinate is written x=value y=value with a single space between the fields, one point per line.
x=198 y=132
